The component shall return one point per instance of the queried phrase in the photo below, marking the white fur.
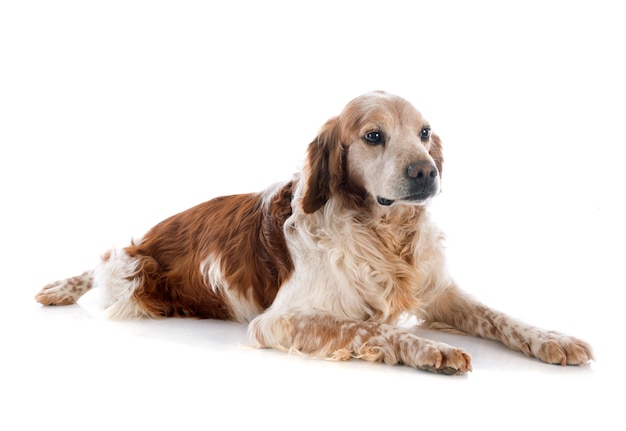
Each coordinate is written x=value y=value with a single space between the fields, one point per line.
x=115 y=278
x=242 y=306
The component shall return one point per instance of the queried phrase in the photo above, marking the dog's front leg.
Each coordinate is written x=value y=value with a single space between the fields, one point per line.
x=326 y=336
x=457 y=310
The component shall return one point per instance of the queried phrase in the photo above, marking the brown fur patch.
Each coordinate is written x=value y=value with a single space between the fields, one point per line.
x=246 y=236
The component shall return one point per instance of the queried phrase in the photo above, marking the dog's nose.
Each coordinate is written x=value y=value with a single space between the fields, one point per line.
x=422 y=171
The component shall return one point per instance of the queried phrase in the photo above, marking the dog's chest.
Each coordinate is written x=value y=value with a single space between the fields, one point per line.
x=371 y=273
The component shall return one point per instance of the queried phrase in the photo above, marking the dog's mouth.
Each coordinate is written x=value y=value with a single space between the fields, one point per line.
x=384 y=201
x=415 y=198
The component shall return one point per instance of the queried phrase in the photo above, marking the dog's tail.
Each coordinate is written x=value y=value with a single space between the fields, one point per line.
x=66 y=291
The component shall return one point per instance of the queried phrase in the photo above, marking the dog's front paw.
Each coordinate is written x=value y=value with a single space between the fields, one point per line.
x=556 y=348
x=442 y=358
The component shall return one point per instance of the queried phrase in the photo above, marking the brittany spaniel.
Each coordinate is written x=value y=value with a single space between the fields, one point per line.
x=325 y=263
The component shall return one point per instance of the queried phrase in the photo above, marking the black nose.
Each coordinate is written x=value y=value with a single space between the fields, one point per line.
x=422 y=171
x=422 y=181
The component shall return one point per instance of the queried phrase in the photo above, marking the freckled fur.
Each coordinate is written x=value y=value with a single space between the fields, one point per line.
x=317 y=264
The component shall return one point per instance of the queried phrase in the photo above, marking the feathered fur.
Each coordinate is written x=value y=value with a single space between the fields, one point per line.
x=325 y=263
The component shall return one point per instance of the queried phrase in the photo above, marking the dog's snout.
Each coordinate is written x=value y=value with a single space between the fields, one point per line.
x=422 y=177
x=422 y=170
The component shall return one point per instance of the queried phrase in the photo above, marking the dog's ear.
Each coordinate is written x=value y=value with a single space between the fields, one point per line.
x=323 y=169
x=436 y=152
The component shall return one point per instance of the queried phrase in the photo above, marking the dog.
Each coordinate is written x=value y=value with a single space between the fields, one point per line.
x=326 y=263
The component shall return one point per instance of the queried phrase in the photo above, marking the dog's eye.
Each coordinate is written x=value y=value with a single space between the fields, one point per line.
x=425 y=134
x=374 y=138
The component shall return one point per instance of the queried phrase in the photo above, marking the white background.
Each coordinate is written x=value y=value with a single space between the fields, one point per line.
x=117 y=114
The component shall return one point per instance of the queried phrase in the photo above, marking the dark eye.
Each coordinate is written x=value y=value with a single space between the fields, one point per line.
x=373 y=138
x=425 y=134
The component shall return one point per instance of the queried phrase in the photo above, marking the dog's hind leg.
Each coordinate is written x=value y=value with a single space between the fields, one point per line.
x=117 y=277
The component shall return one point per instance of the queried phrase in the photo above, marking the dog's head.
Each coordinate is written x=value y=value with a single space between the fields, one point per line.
x=379 y=150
